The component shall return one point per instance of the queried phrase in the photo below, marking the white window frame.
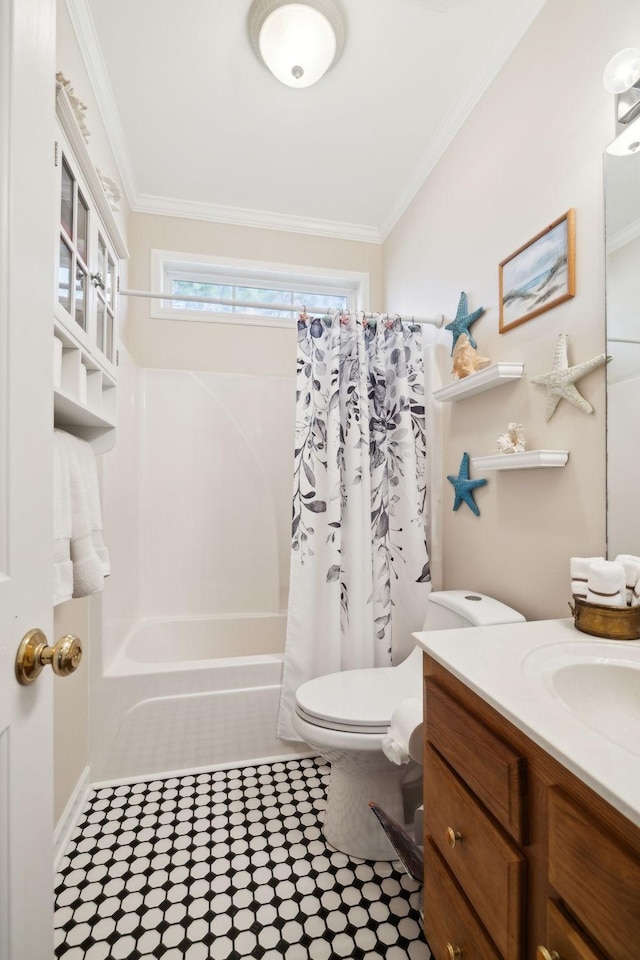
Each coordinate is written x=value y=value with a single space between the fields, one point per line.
x=200 y=268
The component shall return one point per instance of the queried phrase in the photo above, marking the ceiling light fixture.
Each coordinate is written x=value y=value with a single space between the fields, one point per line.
x=297 y=42
x=622 y=77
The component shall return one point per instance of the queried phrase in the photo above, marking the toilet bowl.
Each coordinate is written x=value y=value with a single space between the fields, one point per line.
x=344 y=716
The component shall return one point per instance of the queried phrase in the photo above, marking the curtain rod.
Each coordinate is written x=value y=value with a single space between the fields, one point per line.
x=257 y=305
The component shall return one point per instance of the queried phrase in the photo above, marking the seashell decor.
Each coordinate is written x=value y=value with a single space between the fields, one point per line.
x=513 y=440
x=466 y=359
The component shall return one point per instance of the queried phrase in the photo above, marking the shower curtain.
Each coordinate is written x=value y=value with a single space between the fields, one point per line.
x=359 y=563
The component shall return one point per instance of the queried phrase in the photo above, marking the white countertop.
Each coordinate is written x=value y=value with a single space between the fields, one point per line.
x=511 y=667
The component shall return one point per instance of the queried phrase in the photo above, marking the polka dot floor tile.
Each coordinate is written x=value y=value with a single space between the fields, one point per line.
x=224 y=866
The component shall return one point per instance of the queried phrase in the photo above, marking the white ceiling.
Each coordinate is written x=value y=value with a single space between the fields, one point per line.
x=200 y=127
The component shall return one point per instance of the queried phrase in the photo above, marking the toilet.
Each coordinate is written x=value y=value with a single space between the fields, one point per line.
x=344 y=716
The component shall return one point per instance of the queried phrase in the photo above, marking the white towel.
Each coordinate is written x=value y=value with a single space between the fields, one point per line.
x=579 y=570
x=635 y=593
x=88 y=553
x=403 y=741
x=606 y=584
x=631 y=566
x=89 y=470
x=62 y=566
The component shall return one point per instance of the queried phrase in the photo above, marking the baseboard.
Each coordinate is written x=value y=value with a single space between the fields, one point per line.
x=166 y=774
x=70 y=817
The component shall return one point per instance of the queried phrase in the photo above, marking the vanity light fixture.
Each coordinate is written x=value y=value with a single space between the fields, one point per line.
x=627 y=142
x=622 y=78
x=298 y=42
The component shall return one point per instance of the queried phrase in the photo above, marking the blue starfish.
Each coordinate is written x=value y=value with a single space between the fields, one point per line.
x=464 y=487
x=463 y=321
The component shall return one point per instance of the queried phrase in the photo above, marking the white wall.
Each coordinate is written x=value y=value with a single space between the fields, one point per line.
x=216 y=461
x=531 y=149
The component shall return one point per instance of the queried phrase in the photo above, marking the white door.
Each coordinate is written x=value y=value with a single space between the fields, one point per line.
x=27 y=110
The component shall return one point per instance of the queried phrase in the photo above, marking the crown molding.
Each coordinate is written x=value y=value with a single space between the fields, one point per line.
x=263 y=219
x=85 y=31
x=624 y=236
x=498 y=54
x=84 y=28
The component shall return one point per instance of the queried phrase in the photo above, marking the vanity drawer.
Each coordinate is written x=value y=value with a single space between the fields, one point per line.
x=564 y=939
x=495 y=772
x=488 y=866
x=595 y=876
x=449 y=921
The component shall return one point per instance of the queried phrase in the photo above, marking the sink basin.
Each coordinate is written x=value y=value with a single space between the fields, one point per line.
x=597 y=681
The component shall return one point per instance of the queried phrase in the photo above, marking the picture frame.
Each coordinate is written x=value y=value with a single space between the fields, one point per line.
x=540 y=274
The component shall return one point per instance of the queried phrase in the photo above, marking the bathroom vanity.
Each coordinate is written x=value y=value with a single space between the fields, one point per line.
x=532 y=794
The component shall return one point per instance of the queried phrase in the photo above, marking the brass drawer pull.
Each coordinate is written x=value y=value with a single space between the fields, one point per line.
x=543 y=954
x=453 y=837
x=453 y=953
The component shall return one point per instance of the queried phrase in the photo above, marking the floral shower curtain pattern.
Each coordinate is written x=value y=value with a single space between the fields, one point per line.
x=359 y=563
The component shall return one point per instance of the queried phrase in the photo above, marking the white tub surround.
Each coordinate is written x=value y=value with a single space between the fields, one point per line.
x=190 y=694
x=154 y=646
x=571 y=694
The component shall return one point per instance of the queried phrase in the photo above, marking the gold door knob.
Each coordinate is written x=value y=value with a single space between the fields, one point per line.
x=34 y=654
x=453 y=837
x=453 y=953
x=543 y=954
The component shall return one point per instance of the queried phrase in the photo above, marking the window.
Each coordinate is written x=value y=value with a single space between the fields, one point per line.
x=270 y=287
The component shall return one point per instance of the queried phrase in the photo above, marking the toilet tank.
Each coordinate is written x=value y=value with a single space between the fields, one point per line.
x=448 y=609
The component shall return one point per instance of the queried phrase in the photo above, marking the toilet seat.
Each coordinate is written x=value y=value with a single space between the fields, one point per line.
x=356 y=701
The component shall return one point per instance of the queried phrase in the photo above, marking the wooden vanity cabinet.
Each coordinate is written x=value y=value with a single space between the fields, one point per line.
x=523 y=861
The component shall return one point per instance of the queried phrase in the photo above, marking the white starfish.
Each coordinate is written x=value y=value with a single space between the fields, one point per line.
x=560 y=380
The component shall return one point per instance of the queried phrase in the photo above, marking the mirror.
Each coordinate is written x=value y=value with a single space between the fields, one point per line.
x=622 y=206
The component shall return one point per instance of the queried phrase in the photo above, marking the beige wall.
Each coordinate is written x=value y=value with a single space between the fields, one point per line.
x=531 y=149
x=221 y=347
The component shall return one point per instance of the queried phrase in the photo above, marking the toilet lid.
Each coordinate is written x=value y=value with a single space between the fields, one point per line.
x=356 y=699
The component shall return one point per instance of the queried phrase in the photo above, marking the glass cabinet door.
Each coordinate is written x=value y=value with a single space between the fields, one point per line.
x=105 y=281
x=74 y=233
x=87 y=268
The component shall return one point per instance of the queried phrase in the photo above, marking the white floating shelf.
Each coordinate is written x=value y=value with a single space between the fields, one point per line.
x=487 y=379
x=69 y=412
x=529 y=460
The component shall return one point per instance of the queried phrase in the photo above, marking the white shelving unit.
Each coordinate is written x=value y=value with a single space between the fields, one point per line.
x=529 y=460
x=89 y=247
x=487 y=379
x=84 y=394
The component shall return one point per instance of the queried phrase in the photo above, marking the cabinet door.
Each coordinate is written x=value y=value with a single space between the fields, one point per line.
x=597 y=878
x=86 y=268
x=73 y=251
x=564 y=939
x=105 y=280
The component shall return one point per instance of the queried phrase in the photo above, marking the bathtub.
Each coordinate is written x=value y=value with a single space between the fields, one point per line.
x=190 y=694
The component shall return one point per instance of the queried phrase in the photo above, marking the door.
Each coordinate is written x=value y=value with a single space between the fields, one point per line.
x=27 y=104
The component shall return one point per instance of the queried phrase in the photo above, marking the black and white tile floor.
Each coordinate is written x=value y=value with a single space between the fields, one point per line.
x=223 y=866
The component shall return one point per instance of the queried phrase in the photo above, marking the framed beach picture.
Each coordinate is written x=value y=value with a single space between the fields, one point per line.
x=539 y=275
